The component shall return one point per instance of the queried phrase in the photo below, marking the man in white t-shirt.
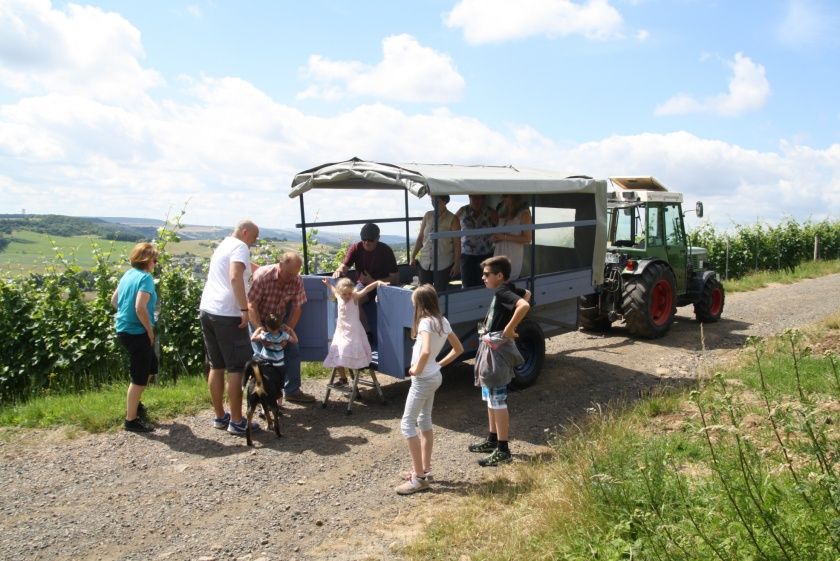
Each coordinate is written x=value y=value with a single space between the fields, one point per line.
x=224 y=323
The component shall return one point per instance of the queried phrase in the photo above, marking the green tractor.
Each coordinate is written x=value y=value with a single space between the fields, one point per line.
x=650 y=267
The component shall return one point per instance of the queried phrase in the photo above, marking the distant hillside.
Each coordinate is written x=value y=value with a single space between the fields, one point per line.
x=65 y=226
x=136 y=229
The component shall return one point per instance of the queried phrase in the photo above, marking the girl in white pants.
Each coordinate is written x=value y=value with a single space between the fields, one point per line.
x=430 y=331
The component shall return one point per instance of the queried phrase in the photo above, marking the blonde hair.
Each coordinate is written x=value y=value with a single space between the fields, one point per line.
x=426 y=305
x=341 y=285
x=142 y=255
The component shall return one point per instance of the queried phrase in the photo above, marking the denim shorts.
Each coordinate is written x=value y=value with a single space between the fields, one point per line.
x=496 y=398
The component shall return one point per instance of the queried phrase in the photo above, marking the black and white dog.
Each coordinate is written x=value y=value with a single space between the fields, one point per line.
x=263 y=384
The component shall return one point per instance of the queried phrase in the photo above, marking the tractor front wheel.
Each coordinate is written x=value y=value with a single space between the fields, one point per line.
x=648 y=301
x=709 y=307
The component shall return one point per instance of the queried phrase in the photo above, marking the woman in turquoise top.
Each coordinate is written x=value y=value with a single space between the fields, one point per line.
x=135 y=300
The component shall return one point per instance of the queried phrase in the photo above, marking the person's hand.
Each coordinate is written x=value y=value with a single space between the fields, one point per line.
x=151 y=335
x=412 y=371
x=455 y=271
x=414 y=262
x=365 y=278
x=327 y=282
x=244 y=322
x=509 y=333
x=336 y=273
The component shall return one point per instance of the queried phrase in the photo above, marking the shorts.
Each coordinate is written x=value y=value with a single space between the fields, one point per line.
x=496 y=398
x=227 y=345
x=142 y=359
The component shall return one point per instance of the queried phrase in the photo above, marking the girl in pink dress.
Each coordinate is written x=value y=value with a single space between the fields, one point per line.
x=350 y=347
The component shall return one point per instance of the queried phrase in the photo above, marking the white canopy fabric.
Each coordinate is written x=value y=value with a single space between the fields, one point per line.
x=439 y=179
x=446 y=179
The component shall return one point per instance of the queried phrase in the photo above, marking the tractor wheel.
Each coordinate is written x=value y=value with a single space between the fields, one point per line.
x=591 y=318
x=648 y=301
x=531 y=345
x=710 y=305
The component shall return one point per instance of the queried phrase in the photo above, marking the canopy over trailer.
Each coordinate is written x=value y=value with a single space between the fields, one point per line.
x=568 y=236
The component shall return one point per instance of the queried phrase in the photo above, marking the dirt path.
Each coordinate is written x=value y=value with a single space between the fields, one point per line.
x=325 y=490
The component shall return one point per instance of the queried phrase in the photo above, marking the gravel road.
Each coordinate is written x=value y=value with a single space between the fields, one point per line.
x=325 y=490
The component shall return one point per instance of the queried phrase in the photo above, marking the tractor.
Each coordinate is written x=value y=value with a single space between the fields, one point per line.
x=650 y=268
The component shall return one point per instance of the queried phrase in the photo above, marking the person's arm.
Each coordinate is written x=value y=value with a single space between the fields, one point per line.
x=254 y=296
x=294 y=317
x=293 y=338
x=257 y=336
x=140 y=304
x=368 y=288
x=522 y=307
x=454 y=352
x=333 y=295
x=425 y=351
x=456 y=249
x=345 y=266
x=419 y=243
x=237 y=284
x=114 y=299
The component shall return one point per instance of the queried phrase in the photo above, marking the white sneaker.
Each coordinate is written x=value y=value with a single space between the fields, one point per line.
x=413 y=485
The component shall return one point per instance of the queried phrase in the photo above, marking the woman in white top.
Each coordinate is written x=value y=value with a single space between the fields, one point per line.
x=431 y=331
x=449 y=249
x=514 y=210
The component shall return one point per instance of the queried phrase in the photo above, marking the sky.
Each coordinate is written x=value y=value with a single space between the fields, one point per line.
x=138 y=109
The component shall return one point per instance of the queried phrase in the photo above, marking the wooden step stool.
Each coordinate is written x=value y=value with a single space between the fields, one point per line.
x=352 y=389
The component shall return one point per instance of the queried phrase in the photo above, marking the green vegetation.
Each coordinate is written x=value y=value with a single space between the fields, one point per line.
x=760 y=247
x=104 y=408
x=745 y=467
x=805 y=270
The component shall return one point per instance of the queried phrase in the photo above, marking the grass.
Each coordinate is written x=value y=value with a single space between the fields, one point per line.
x=747 y=466
x=103 y=409
x=760 y=279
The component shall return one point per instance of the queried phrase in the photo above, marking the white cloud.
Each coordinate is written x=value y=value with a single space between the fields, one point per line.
x=494 y=21
x=82 y=50
x=807 y=23
x=408 y=71
x=748 y=91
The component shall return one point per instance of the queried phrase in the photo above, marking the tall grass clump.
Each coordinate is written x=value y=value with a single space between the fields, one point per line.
x=747 y=466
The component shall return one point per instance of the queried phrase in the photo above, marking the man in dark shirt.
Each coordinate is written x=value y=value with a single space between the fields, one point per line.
x=372 y=261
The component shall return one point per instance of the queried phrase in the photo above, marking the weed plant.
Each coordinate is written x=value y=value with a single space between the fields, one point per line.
x=747 y=466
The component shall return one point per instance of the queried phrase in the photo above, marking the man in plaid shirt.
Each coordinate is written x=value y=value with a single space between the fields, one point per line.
x=278 y=289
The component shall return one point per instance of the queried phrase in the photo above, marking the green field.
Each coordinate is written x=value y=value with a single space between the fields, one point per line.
x=29 y=252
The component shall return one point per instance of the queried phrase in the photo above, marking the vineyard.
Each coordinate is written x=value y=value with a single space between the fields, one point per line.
x=57 y=326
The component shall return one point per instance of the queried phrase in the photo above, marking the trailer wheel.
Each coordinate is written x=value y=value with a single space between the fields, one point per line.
x=648 y=301
x=710 y=305
x=591 y=318
x=531 y=345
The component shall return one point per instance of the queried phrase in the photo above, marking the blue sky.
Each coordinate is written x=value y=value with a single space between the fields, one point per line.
x=125 y=108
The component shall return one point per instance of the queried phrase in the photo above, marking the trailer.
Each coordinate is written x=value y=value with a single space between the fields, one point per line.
x=563 y=262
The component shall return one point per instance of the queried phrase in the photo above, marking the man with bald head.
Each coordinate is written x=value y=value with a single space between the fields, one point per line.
x=278 y=289
x=224 y=323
